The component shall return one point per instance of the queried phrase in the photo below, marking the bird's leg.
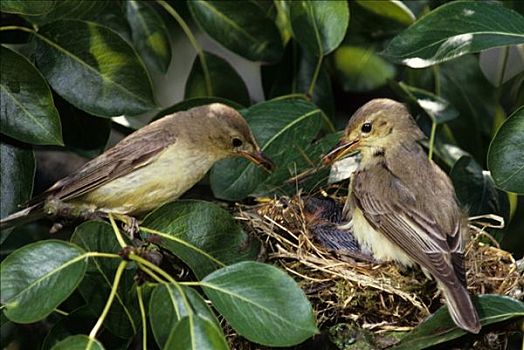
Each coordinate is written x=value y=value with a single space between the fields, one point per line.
x=129 y=224
x=66 y=213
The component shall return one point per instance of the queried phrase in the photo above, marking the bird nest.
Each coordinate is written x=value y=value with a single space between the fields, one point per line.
x=379 y=297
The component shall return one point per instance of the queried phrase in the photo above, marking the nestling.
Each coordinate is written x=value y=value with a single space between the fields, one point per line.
x=150 y=167
x=403 y=207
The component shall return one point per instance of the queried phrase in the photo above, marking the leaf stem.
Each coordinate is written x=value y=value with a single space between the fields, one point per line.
x=102 y=255
x=151 y=273
x=24 y=29
x=432 y=137
x=194 y=43
x=60 y=312
x=142 y=315
x=184 y=243
x=313 y=82
x=436 y=76
x=158 y=270
x=504 y=64
x=118 y=235
x=114 y=288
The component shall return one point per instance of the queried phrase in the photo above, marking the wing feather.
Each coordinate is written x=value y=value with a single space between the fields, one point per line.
x=134 y=152
x=397 y=215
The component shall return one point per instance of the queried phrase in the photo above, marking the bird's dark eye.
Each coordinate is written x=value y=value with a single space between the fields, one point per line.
x=366 y=127
x=236 y=142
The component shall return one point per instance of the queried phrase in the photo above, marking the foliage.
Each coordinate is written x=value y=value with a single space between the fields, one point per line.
x=70 y=67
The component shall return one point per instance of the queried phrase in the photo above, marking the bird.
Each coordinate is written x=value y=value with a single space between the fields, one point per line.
x=402 y=206
x=150 y=167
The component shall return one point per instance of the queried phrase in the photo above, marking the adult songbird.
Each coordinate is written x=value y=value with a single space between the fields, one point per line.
x=403 y=206
x=150 y=167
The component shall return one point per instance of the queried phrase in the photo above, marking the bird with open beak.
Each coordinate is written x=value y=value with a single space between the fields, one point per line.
x=150 y=167
x=402 y=206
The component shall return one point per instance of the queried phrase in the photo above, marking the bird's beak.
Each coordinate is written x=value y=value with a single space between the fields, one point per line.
x=258 y=158
x=342 y=149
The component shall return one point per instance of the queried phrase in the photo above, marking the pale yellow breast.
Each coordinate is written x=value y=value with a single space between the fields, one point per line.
x=165 y=179
x=374 y=241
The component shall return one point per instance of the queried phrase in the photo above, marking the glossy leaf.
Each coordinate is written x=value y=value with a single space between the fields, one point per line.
x=506 y=154
x=206 y=226
x=82 y=132
x=27 y=7
x=439 y=327
x=293 y=74
x=392 y=9
x=360 y=69
x=149 y=33
x=244 y=27
x=465 y=87
x=69 y=325
x=72 y=9
x=224 y=81
x=436 y=107
x=284 y=316
x=78 y=342
x=195 y=332
x=17 y=172
x=455 y=29
x=98 y=236
x=167 y=307
x=38 y=277
x=113 y=79
x=319 y=26
x=475 y=189
x=195 y=102
x=282 y=128
x=27 y=112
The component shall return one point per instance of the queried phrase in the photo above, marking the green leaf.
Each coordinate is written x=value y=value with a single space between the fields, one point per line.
x=113 y=79
x=506 y=154
x=261 y=303
x=475 y=189
x=282 y=128
x=468 y=91
x=319 y=26
x=224 y=81
x=82 y=132
x=72 y=9
x=150 y=35
x=293 y=74
x=439 y=327
x=360 y=69
x=27 y=112
x=436 y=107
x=455 y=29
x=195 y=332
x=195 y=102
x=73 y=323
x=97 y=236
x=206 y=226
x=17 y=172
x=38 y=277
x=27 y=7
x=167 y=307
x=395 y=10
x=78 y=342
x=244 y=27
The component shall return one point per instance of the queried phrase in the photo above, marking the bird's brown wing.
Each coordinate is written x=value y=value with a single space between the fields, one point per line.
x=134 y=152
x=396 y=215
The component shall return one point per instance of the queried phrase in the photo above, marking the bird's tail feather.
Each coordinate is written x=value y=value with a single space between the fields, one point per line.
x=461 y=307
x=21 y=217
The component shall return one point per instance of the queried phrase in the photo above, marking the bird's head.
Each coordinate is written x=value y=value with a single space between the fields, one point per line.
x=229 y=135
x=378 y=125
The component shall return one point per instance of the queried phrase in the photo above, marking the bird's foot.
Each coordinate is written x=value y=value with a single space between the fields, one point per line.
x=129 y=225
